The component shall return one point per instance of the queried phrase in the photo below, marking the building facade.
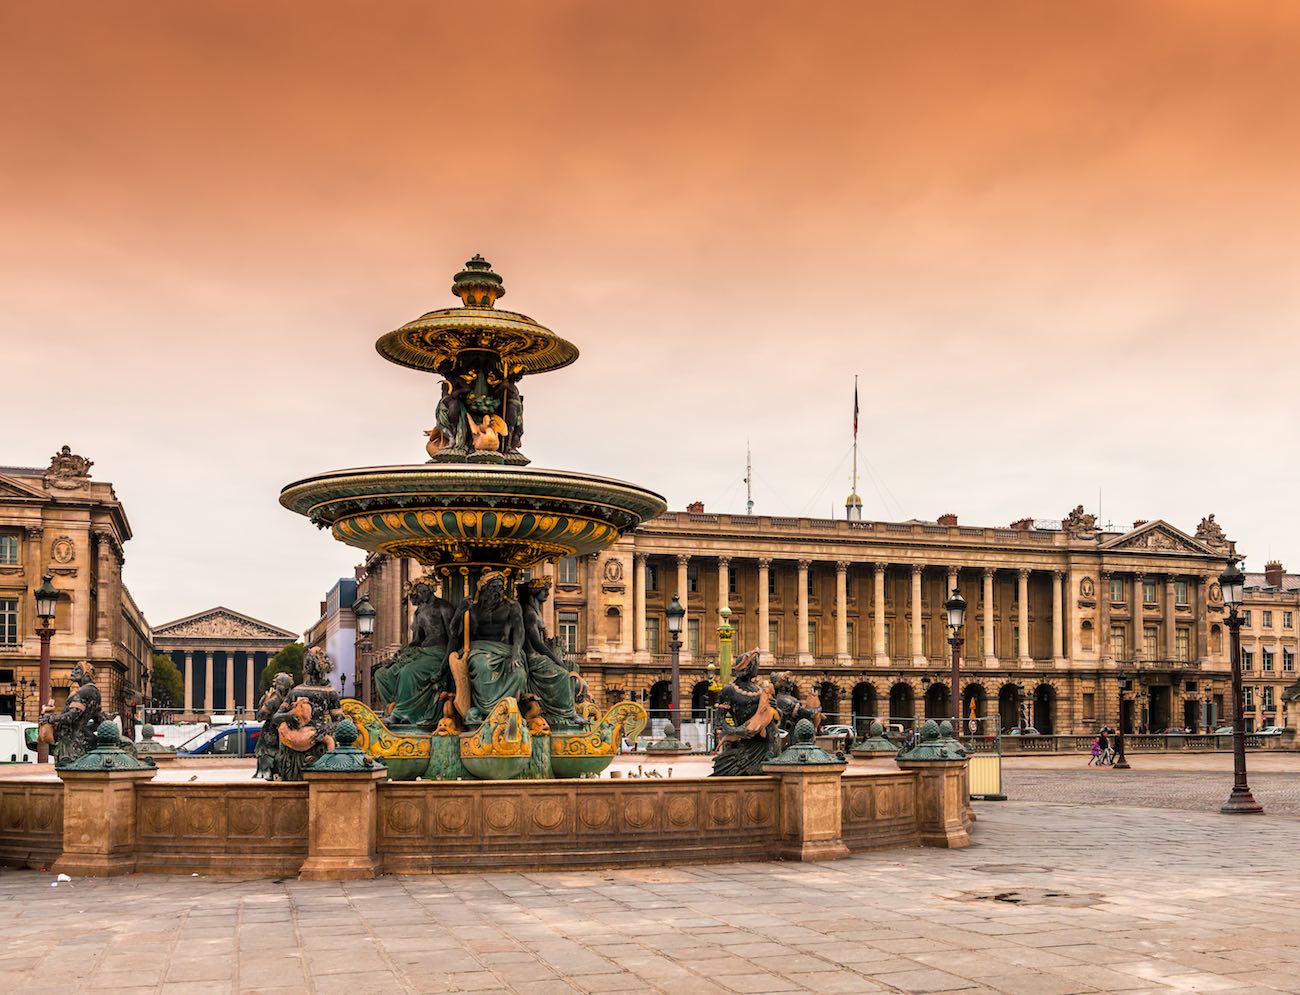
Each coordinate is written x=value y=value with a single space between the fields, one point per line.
x=1070 y=625
x=1269 y=643
x=58 y=521
x=335 y=632
x=221 y=655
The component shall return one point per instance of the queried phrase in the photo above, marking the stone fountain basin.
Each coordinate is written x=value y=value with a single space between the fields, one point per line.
x=517 y=516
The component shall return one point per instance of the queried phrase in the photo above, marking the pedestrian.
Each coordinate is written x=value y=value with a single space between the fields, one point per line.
x=1096 y=752
x=1107 y=754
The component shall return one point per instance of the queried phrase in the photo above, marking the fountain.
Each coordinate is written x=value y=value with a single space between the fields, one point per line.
x=481 y=690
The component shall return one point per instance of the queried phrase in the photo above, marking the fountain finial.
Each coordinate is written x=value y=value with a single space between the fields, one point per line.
x=477 y=285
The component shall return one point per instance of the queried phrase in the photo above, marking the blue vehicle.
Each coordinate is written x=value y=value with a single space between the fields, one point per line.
x=222 y=741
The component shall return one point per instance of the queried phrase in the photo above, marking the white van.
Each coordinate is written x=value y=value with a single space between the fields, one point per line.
x=13 y=742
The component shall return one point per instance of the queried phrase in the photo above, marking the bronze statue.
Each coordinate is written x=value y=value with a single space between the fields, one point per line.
x=304 y=723
x=549 y=679
x=489 y=664
x=72 y=730
x=746 y=724
x=514 y=415
x=268 y=741
x=421 y=665
x=788 y=702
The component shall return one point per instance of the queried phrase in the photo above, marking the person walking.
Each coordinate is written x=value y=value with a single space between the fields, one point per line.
x=1103 y=742
x=1096 y=753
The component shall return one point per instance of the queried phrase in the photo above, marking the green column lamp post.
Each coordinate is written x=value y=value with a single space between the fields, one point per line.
x=725 y=632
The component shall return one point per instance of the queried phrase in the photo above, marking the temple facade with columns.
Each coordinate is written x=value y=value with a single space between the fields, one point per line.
x=1069 y=626
x=221 y=655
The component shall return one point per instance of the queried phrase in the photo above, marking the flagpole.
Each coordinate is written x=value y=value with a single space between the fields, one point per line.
x=855 y=433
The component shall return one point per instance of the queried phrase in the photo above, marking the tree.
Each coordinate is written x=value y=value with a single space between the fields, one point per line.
x=288 y=661
x=168 y=685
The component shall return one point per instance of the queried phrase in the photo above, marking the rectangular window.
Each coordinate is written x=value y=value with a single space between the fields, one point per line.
x=1089 y=707
x=1247 y=659
x=848 y=583
x=1183 y=643
x=8 y=549
x=1245 y=618
x=1180 y=592
x=1117 y=589
x=731 y=580
x=652 y=635
x=8 y=621
x=925 y=639
x=812 y=583
x=693 y=579
x=773 y=643
x=983 y=651
x=1015 y=645
x=1268 y=697
x=568 y=625
x=1150 y=640
x=1148 y=592
x=1267 y=620
x=1117 y=642
x=1288 y=661
x=567 y=570
x=1266 y=660
x=1248 y=698
x=889 y=647
x=812 y=637
x=1288 y=620
x=693 y=636
x=852 y=641
x=651 y=577
x=771 y=582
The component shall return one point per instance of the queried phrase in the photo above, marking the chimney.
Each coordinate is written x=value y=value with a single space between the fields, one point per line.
x=1273 y=573
x=1023 y=524
x=323 y=606
x=1140 y=522
x=696 y=507
x=948 y=518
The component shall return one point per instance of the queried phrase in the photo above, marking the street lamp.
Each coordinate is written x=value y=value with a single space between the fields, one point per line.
x=47 y=601
x=1121 y=760
x=1241 y=802
x=956 y=608
x=365 y=615
x=674 y=614
x=24 y=685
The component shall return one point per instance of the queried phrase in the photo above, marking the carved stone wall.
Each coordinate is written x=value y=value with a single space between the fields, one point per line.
x=31 y=824
x=222 y=828
x=532 y=825
x=878 y=810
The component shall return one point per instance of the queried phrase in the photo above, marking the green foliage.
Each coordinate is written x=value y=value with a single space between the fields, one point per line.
x=168 y=685
x=288 y=661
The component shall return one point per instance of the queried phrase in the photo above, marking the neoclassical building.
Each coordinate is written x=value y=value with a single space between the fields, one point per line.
x=1269 y=644
x=57 y=520
x=221 y=654
x=1072 y=624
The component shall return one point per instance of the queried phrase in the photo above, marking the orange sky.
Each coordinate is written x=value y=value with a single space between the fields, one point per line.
x=1057 y=241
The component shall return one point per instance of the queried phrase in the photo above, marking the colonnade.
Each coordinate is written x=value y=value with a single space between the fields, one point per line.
x=254 y=662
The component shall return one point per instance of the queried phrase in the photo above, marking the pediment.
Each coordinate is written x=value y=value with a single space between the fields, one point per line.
x=15 y=487
x=1159 y=537
x=221 y=623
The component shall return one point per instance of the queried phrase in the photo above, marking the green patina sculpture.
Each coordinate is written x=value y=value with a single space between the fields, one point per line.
x=876 y=742
x=417 y=677
x=936 y=743
x=108 y=754
x=344 y=758
x=804 y=751
x=148 y=747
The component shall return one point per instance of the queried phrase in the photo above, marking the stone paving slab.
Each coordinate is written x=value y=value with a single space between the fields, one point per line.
x=1052 y=899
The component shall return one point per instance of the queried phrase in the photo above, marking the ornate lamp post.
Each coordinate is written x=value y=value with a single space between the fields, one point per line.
x=674 y=613
x=956 y=608
x=725 y=655
x=365 y=615
x=1241 y=801
x=24 y=686
x=1121 y=761
x=47 y=600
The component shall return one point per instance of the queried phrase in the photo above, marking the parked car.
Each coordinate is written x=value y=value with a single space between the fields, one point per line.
x=223 y=741
x=843 y=732
x=173 y=736
x=1026 y=731
x=17 y=746
x=1223 y=731
x=1271 y=731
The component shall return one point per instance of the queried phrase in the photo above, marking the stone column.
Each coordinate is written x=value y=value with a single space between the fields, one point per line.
x=953 y=581
x=230 y=680
x=683 y=593
x=941 y=801
x=1026 y=657
x=764 y=622
x=1103 y=616
x=342 y=825
x=99 y=821
x=638 y=597
x=207 y=682
x=810 y=811
x=842 y=612
x=189 y=681
x=595 y=609
x=250 y=688
x=724 y=585
x=1202 y=621
x=1138 y=626
x=1058 y=621
x=918 y=617
x=548 y=608
x=801 y=617
x=990 y=654
x=1171 y=628
x=878 y=648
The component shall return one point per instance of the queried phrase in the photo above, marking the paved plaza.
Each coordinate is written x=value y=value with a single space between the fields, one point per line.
x=1050 y=899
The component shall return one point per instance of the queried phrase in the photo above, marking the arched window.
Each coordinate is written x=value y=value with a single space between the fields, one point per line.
x=1085 y=636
